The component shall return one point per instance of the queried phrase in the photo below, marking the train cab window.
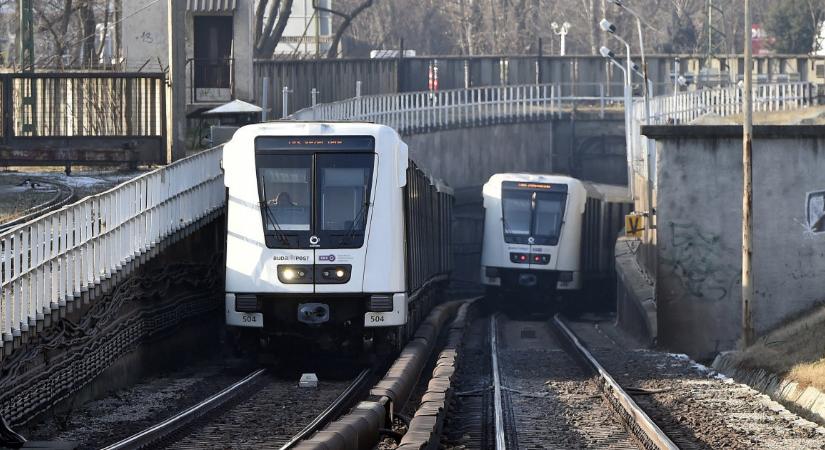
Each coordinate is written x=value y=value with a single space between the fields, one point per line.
x=314 y=190
x=285 y=189
x=532 y=210
x=516 y=209
x=548 y=216
x=343 y=197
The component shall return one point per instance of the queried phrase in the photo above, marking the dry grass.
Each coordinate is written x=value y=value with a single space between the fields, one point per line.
x=795 y=351
x=809 y=374
x=814 y=115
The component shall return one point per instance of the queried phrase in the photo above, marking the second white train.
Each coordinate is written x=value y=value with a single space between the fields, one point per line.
x=548 y=236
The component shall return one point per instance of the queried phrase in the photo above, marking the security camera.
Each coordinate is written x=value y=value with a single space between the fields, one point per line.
x=607 y=26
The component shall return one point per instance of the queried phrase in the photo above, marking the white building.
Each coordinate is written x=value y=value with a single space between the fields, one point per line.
x=308 y=33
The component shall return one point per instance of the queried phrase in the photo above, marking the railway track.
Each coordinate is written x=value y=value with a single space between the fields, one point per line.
x=63 y=194
x=258 y=411
x=548 y=392
x=527 y=384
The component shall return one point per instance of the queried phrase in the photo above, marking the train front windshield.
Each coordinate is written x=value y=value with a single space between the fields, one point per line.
x=314 y=192
x=532 y=213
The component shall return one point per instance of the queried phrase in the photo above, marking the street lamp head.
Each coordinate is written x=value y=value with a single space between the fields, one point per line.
x=606 y=53
x=634 y=67
x=617 y=2
x=607 y=26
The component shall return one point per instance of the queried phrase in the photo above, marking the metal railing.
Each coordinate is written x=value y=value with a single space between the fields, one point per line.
x=52 y=260
x=685 y=107
x=414 y=112
x=83 y=104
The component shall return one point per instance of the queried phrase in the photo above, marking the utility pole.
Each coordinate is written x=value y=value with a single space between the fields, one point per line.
x=25 y=49
x=25 y=55
x=747 y=185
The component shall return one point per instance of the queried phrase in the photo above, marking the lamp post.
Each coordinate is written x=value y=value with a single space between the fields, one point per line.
x=561 y=30
x=647 y=88
x=628 y=100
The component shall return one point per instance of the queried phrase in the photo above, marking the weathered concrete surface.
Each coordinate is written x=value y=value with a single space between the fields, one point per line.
x=635 y=303
x=699 y=231
x=583 y=146
x=171 y=291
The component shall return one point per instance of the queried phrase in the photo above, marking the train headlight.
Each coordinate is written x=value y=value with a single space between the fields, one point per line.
x=333 y=274
x=295 y=274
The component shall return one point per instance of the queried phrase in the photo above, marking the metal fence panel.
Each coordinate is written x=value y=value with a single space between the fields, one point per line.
x=52 y=260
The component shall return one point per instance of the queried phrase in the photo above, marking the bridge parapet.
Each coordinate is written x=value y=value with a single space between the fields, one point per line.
x=685 y=107
x=425 y=111
x=53 y=261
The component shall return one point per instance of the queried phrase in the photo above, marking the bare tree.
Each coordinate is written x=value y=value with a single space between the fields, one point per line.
x=347 y=18
x=271 y=17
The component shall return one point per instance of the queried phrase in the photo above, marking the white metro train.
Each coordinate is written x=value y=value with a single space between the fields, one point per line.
x=546 y=235
x=334 y=237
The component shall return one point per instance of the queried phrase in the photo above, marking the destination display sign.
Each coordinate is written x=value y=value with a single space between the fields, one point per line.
x=350 y=143
x=534 y=186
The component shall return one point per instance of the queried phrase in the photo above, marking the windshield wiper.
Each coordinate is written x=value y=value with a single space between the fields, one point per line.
x=352 y=229
x=270 y=214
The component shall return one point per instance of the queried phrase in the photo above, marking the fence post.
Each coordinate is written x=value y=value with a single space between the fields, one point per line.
x=285 y=101
x=314 y=94
x=8 y=108
x=601 y=100
x=264 y=99
x=358 y=88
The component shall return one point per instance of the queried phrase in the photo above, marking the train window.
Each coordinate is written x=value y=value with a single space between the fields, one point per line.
x=516 y=209
x=285 y=184
x=344 y=182
x=536 y=213
x=547 y=218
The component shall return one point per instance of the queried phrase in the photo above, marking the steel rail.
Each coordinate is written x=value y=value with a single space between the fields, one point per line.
x=652 y=433
x=342 y=402
x=175 y=423
x=498 y=408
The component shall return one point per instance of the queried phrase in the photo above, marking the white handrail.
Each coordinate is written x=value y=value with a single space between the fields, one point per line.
x=54 y=258
x=685 y=107
x=411 y=112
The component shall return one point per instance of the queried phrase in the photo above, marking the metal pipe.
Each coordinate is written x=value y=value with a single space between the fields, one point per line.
x=747 y=186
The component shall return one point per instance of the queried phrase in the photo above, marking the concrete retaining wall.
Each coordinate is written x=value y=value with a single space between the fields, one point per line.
x=635 y=304
x=106 y=343
x=699 y=220
x=583 y=146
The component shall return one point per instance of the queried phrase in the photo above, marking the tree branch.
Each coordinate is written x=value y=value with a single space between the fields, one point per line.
x=348 y=18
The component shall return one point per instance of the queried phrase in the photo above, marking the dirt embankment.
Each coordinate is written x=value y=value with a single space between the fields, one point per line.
x=795 y=351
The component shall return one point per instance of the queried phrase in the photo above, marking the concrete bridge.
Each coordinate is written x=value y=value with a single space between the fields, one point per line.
x=74 y=263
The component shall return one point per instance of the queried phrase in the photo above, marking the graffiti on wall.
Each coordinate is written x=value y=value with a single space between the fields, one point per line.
x=815 y=212
x=696 y=258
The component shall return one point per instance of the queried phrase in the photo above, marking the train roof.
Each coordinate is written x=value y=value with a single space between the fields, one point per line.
x=528 y=176
x=385 y=136
x=607 y=192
